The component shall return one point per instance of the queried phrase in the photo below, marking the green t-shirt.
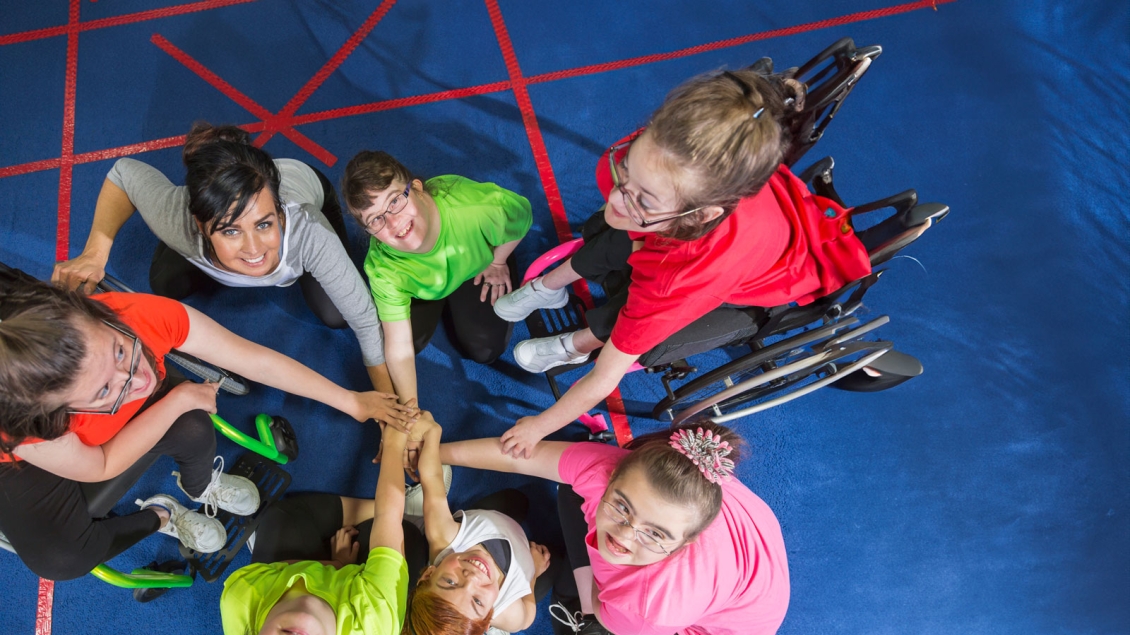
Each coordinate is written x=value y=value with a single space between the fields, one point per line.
x=368 y=599
x=474 y=219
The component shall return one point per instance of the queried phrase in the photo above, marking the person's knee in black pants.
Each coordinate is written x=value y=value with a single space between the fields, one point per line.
x=474 y=327
x=320 y=303
x=171 y=275
x=191 y=442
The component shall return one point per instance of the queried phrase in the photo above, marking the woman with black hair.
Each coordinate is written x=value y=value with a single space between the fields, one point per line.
x=241 y=220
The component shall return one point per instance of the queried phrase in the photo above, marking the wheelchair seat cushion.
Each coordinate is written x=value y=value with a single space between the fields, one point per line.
x=721 y=327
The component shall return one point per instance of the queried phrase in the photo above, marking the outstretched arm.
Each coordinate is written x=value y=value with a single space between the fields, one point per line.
x=484 y=454
x=521 y=440
x=87 y=269
x=439 y=525
x=400 y=356
x=70 y=458
x=388 y=503
x=217 y=345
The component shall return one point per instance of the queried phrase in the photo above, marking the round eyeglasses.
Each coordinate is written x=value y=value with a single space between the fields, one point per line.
x=646 y=540
x=619 y=169
x=395 y=206
x=134 y=359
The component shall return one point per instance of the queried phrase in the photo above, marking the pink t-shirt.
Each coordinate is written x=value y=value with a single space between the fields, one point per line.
x=732 y=580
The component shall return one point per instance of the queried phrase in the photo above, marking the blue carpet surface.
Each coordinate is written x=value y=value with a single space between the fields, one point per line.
x=989 y=495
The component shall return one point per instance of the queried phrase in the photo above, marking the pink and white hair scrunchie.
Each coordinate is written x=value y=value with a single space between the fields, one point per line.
x=707 y=451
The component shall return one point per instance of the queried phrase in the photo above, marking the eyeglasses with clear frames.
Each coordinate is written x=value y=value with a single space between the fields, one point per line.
x=647 y=541
x=395 y=206
x=619 y=171
x=134 y=359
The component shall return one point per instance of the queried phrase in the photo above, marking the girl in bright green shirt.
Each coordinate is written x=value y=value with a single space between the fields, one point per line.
x=328 y=598
x=440 y=247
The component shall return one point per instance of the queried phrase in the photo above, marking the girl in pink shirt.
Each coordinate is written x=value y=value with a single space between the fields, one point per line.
x=661 y=538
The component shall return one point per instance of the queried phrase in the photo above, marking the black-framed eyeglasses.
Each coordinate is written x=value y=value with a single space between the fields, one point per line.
x=395 y=206
x=619 y=171
x=134 y=359
x=646 y=540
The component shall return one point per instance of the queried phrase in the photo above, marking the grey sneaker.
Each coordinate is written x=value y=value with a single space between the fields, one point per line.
x=519 y=303
x=193 y=529
x=414 y=496
x=233 y=494
x=540 y=354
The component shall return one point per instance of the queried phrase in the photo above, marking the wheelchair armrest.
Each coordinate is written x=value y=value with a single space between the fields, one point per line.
x=818 y=176
x=560 y=252
x=902 y=202
x=925 y=212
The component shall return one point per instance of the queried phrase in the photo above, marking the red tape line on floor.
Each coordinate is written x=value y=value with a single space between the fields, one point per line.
x=141 y=16
x=549 y=183
x=43 y=607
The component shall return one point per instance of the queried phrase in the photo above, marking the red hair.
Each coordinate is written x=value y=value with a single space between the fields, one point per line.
x=429 y=614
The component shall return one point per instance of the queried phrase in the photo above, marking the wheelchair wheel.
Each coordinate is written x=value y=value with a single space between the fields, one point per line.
x=776 y=374
x=772 y=355
x=229 y=382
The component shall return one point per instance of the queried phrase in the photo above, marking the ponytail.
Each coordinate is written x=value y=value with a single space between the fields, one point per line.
x=674 y=473
x=724 y=133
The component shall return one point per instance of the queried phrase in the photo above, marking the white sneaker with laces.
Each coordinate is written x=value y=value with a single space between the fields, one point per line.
x=521 y=302
x=540 y=354
x=573 y=621
x=414 y=496
x=234 y=494
x=193 y=529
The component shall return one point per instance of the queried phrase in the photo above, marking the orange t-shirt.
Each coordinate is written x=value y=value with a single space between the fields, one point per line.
x=162 y=325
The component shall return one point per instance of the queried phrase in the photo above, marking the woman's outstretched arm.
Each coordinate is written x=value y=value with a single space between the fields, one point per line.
x=485 y=454
x=215 y=344
x=85 y=271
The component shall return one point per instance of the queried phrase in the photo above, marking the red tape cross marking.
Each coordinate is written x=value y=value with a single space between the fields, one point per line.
x=459 y=93
x=248 y=104
x=323 y=73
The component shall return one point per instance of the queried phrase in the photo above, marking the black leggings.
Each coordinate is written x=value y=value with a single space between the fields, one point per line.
x=604 y=260
x=47 y=519
x=474 y=328
x=171 y=275
x=573 y=526
x=300 y=527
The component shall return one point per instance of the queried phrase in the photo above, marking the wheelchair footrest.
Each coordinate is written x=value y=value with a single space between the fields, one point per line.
x=551 y=322
x=272 y=482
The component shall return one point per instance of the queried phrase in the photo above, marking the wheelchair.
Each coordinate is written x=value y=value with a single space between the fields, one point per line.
x=275 y=444
x=794 y=350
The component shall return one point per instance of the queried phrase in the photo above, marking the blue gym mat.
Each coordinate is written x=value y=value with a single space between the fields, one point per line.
x=989 y=495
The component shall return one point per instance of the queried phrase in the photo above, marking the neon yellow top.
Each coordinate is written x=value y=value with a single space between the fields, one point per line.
x=474 y=219
x=368 y=599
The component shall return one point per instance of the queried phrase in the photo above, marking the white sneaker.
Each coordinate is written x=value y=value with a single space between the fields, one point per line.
x=540 y=354
x=519 y=303
x=193 y=529
x=234 y=494
x=414 y=496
